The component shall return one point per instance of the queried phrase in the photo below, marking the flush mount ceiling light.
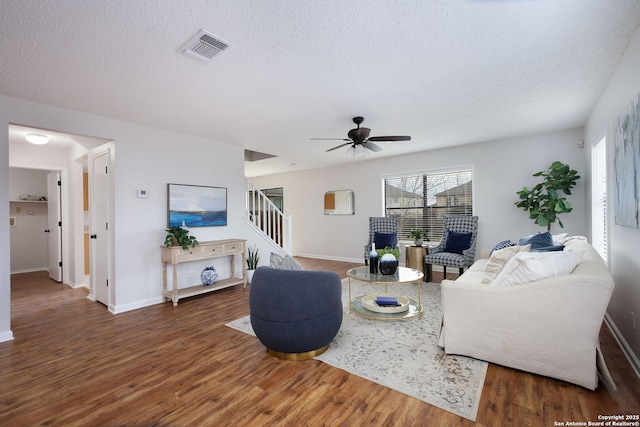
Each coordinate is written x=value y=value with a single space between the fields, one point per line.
x=37 y=138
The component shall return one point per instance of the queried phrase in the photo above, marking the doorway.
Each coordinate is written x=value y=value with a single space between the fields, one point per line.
x=67 y=154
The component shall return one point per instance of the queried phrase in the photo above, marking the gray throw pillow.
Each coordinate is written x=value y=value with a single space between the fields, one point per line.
x=283 y=262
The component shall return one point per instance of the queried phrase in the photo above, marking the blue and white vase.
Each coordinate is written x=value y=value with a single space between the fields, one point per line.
x=388 y=264
x=209 y=276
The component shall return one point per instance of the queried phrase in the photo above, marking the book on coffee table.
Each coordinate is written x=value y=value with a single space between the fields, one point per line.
x=387 y=301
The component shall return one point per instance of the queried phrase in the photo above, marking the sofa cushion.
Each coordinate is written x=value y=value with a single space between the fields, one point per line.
x=498 y=260
x=283 y=262
x=383 y=240
x=526 y=267
x=457 y=242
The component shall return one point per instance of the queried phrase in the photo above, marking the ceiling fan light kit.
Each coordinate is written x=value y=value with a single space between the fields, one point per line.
x=359 y=140
x=357 y=151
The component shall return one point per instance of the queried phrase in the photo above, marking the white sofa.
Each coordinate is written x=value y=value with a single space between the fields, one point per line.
x=549 y=326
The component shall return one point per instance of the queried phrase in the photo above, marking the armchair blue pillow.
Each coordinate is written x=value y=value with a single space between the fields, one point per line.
x=457 y=242
x=382 y=240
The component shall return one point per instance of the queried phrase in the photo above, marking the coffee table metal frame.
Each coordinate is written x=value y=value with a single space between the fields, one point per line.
x=402 y=276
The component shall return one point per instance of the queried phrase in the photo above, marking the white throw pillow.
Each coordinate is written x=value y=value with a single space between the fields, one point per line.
x=498 y=260
x=531 y=266
x=558 y=239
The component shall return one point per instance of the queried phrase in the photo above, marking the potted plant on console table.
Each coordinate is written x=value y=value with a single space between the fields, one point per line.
x=179 y=236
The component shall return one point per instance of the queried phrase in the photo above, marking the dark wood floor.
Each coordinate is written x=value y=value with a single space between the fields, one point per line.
x=72 y=363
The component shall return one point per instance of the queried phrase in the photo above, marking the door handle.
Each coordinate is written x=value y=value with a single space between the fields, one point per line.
x=94 y=236
x=47 y=231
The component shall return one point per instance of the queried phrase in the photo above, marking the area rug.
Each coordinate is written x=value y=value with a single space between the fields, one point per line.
x=403 y=355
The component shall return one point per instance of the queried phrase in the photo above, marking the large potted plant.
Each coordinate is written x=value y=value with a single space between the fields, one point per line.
x=544 y=201
x=179 y=236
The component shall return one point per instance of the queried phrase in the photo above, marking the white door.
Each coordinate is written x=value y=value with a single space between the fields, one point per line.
x=99 y=165
x=54 y=227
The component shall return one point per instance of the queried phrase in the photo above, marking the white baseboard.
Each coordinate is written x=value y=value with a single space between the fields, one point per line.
x=356 y=260
x=330 y=258
x=117 y=309
x=6 y=336
x=29 y=270
x=624 y=345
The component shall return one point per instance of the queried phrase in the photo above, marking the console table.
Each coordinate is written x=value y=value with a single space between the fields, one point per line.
x=175 y=255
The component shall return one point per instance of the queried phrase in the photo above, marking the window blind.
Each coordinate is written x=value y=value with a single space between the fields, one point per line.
x=599 y=197
x=421 y=200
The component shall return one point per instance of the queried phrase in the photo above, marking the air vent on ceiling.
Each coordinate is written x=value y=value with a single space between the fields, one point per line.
x=204 y=46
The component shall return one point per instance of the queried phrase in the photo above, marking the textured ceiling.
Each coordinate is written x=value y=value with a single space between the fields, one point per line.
x=445 y=72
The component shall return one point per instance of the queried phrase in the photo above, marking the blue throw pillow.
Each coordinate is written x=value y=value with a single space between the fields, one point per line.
x=539 y=240
x=502 y=245
x=457 y=242
x=382 y=240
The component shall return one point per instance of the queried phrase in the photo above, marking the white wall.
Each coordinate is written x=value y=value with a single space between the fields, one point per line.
x=145 y=159
x=500 y=169
x=28 y=239
x=623 y=242
x=27 y=181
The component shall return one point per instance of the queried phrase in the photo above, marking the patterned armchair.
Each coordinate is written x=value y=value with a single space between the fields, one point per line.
x=438 y=255
x=385 y=225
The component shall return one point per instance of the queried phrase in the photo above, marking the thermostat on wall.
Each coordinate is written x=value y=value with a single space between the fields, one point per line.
x=143 y=194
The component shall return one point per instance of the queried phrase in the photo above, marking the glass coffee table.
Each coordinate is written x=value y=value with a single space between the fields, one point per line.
x=365 y=305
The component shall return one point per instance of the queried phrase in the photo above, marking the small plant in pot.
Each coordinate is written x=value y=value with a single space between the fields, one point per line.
x=252 y=262
x=388 y=257
x=179 y=236
x=418 y=236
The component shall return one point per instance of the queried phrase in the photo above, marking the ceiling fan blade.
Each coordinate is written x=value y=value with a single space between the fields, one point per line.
x=340 y=146
x=371 y=146
x=329 y=139
x=390 y=138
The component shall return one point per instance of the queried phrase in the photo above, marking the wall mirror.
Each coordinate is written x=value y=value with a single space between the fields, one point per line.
x=339 y=202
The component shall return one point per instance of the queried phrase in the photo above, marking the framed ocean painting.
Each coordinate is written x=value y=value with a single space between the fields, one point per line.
x=196 y=205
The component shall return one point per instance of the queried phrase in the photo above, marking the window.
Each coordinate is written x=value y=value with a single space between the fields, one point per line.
x=599 y=197
x=421 y=200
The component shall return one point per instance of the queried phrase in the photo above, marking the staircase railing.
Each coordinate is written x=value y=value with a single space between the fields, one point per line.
x=266 y=216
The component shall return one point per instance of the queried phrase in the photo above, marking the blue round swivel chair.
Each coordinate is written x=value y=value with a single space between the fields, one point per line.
x=295 y=313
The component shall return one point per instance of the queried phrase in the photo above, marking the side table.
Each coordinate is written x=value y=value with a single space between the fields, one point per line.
x=414 y=257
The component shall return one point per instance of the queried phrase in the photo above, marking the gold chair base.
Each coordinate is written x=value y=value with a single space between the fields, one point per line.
x=298 y=356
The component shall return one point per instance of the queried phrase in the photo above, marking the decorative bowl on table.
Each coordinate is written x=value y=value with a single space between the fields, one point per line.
x=369 y=302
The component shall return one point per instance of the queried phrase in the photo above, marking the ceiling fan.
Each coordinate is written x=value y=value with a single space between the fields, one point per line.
x=359 y=137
